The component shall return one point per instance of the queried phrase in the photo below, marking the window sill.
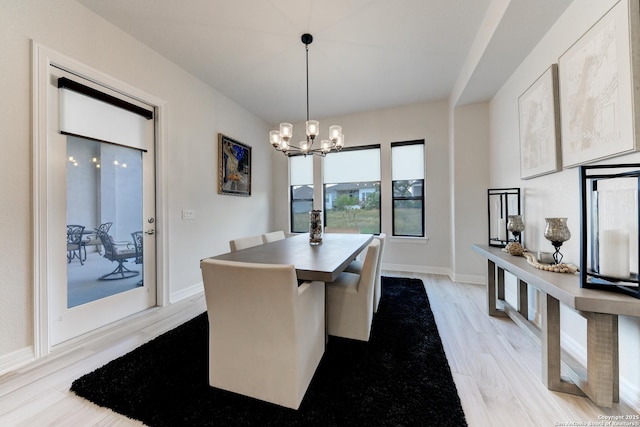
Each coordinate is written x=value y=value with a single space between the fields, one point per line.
x=410 y=240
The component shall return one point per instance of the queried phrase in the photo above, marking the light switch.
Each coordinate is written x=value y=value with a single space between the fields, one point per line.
x=188 y=214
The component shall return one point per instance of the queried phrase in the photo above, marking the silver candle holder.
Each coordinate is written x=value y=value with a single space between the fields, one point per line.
x=516 y=226
x=557 y=232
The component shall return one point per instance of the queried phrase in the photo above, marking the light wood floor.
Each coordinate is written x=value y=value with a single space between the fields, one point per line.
x=495 y=365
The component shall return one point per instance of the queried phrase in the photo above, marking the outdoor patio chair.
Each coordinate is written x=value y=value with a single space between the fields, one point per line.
x=74 y=243
x=119 y=253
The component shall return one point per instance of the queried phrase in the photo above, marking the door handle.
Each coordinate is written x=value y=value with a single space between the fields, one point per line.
x=150 y=231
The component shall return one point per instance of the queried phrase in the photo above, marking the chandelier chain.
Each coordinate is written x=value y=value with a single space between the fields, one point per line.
x=306 y=46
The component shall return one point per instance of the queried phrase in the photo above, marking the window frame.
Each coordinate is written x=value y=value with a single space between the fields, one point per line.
x=292 y=200
x=324 y=184
x=395 y=198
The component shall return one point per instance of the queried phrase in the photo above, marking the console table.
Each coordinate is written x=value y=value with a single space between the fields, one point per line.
x=600 y=381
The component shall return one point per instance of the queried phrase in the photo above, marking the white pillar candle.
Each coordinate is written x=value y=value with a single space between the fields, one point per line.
x=614 y=253
x=502 y=229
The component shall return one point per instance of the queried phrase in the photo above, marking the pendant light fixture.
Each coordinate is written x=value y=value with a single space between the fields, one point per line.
x=280 y=140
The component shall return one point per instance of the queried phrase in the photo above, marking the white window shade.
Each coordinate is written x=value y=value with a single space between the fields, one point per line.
x=407 y=162
x=93 y=118
x=361 y=165
x=301 y=170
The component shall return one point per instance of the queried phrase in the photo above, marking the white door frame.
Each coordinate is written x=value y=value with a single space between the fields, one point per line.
x=43 y=58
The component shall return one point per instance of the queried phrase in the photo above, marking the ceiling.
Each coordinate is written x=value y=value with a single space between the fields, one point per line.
x=366 y=54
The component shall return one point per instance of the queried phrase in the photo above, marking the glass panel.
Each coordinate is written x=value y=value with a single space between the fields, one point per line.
x=301 y=205
x=407 y=162
x=502 y=203
x=617 y=214
x=407 y=218
x=353 y=205
x=104 y=198
x=407 y=188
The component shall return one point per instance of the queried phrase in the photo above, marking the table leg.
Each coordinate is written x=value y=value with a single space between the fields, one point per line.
x=500 y=283
x=551 y=349
x=602 y=358
x=523 y=299
x=491 y=288
x=550 y=341
x=492 y=308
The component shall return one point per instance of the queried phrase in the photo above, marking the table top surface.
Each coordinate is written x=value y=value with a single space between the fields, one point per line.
x=562 y=286
x=322 y=262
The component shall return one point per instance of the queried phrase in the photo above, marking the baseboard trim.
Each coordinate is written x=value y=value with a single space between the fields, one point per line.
x=629 y=390
x=574 y=348
x=468 y=278
x=443 y=271
x=406 y=268
x=631 y=394
x=12 y=361
x=186 y=293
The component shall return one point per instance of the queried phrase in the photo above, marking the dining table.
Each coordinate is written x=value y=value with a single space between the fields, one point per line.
x=323 y=262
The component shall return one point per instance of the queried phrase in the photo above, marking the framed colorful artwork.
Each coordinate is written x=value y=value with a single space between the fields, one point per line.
x=234 y=167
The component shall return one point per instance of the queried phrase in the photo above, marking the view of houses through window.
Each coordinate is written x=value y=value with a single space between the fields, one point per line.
x=407 y=177
x=353 y=205
x=352 y=189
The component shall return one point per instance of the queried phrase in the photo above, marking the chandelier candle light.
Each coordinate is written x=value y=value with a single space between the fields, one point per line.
x=280 y=139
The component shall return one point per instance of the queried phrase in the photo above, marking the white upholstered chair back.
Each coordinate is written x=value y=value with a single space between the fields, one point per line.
x=245 y=242
x=266 y=333
x=356 y=267
x=273 y=236
x=377 y=289
x=350 y=299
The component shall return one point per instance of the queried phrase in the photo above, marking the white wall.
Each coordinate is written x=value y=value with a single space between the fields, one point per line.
x=556 y=195
x=421 y=121
x=469 y=182
x=195 y=114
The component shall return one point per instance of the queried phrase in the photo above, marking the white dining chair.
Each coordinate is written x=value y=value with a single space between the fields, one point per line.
x=245 y=242
x=350 y=299
x=266 y=333
x=273 y=236
x=356 y=267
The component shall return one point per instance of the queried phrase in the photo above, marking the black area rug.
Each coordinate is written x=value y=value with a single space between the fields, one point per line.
x=399 y=378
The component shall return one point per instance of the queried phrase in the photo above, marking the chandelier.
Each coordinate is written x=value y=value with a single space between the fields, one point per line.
x=280 y=139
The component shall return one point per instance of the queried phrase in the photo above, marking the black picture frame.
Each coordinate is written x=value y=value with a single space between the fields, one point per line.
x=234 y=167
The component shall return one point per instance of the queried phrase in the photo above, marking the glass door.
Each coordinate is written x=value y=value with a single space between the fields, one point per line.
x=106 y=191
x=105 y=248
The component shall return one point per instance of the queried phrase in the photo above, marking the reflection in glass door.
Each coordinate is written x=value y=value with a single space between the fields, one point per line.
x=104 y=220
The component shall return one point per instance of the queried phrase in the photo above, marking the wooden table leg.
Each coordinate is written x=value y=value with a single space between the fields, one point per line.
x=523 y=299
x=492 y=307
x=602 y=359
x=551 y=349
x=550 y=341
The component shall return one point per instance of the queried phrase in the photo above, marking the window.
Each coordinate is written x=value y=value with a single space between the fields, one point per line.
x=407 y=178
x=301 y=187
x=352 y=189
